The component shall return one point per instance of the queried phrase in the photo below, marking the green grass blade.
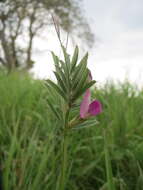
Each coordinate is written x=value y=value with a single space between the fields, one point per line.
x=110 y=180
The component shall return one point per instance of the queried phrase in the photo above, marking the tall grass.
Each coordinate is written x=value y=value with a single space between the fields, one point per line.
x=29 y=139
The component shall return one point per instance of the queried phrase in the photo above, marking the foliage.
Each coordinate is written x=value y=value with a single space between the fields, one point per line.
x=29 y=147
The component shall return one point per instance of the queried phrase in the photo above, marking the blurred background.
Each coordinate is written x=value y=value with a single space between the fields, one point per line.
x=118 y=29
x=32 y=115
x=111 y=31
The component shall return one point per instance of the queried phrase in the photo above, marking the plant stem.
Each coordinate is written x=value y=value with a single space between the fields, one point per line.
x=64 y=162
x=62 y=182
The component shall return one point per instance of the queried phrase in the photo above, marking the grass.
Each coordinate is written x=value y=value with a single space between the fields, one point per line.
x=29 y=139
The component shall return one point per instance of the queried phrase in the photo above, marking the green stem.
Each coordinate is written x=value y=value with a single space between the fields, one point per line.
x=64 y=162
x=62 y=181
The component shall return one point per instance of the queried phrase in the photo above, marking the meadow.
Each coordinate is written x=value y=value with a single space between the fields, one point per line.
x=29 y=139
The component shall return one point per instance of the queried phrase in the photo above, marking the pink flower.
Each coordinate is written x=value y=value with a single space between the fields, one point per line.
x=88 y=108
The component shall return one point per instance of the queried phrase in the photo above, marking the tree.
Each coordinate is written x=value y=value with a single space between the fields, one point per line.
x=27 y=18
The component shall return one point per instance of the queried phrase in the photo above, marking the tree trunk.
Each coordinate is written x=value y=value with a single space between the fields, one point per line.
x=29 y=52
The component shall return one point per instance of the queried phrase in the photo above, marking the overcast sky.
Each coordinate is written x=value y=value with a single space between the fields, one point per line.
x=118 y=51
x=118 y=27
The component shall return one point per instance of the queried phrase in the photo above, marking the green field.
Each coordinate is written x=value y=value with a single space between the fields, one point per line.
x=30 y=154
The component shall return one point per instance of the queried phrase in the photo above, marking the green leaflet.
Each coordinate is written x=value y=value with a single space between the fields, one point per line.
x=74 y=59
x=66 y=73
x=56 y=61
x=55 y=58
x=81 y=91
x=53 y=110
x=86 y=123
x=60 y=81
x=79 y=70
x=57 y=88
x=82 y=81
x=62 y=76
x=66 y=56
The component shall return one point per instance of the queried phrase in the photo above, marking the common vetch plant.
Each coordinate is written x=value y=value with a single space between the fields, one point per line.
x=73 y=81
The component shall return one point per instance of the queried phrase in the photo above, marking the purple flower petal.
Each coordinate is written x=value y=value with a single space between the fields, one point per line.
x=85 y=104
x=95 y=108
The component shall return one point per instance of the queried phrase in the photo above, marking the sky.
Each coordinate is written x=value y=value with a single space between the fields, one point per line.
x=118 y=50
x=118 y=28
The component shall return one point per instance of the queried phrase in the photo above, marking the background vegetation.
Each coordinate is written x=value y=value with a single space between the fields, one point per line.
x=29 y=151
x=21 y=21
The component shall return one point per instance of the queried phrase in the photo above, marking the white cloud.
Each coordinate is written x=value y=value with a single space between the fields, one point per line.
x=119 y=49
